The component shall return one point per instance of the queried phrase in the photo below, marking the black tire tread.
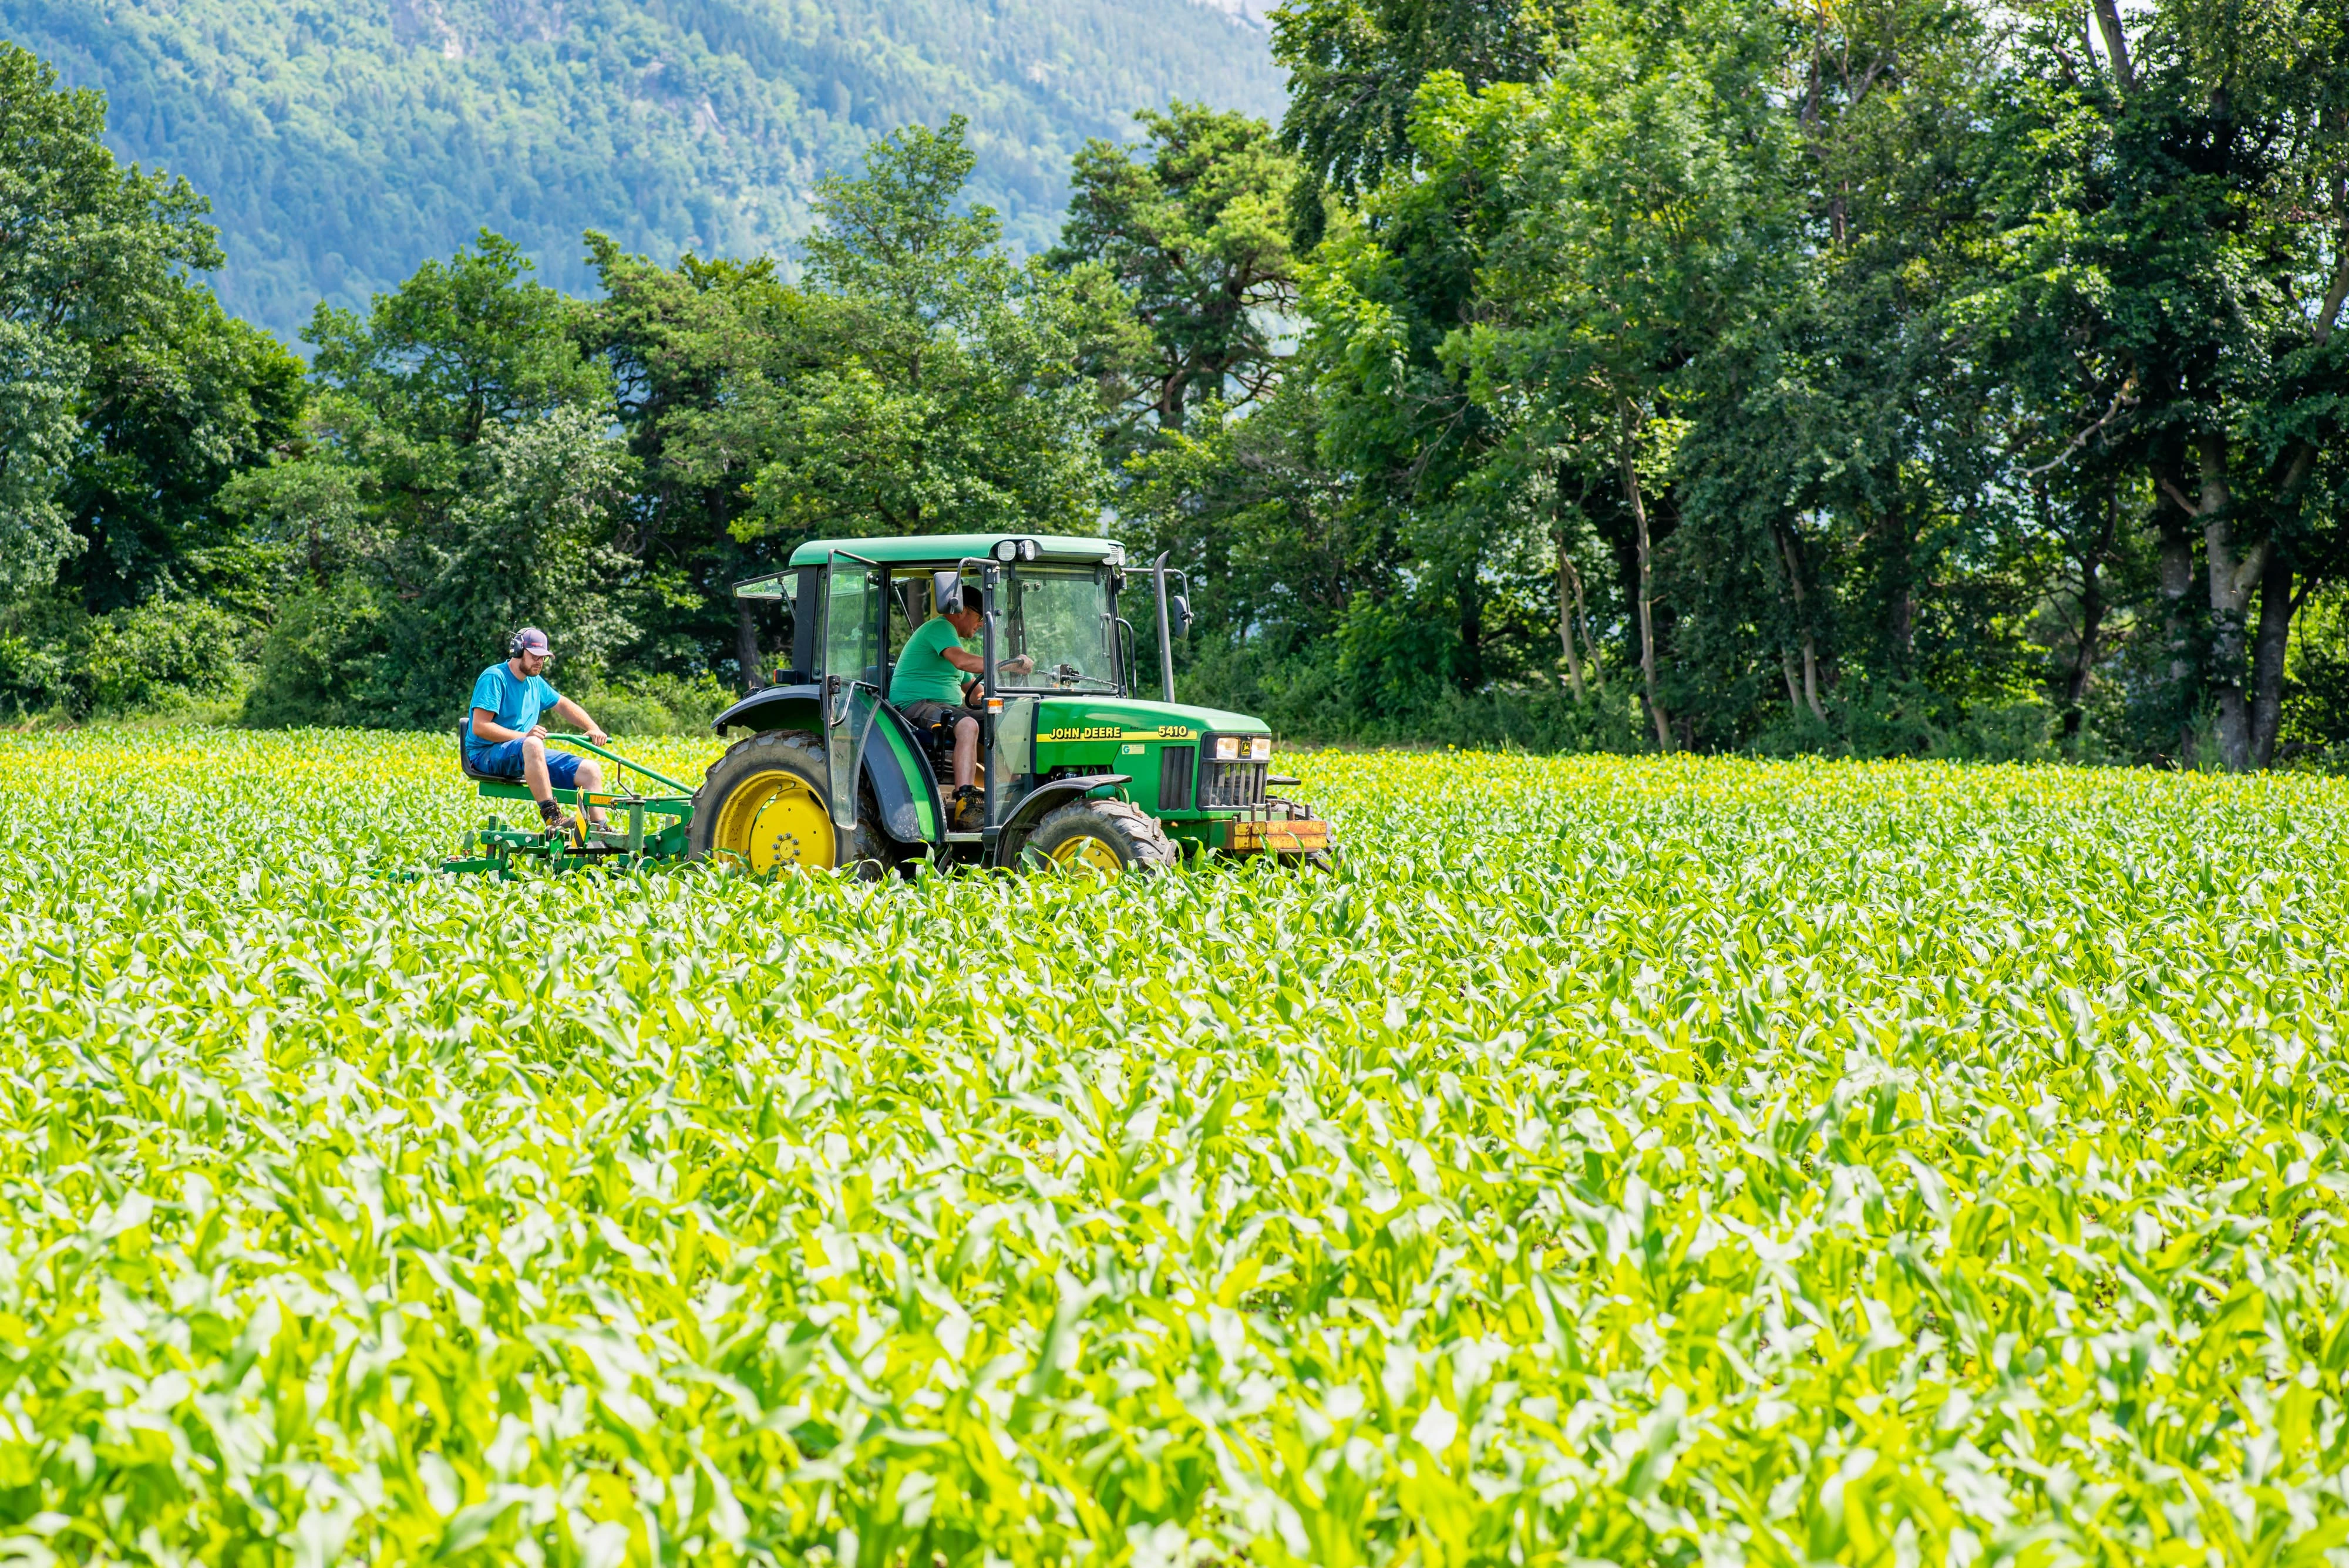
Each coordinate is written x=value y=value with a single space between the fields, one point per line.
x=1137 y=834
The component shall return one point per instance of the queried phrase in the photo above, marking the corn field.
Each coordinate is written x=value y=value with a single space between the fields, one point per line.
x=1629 y=1161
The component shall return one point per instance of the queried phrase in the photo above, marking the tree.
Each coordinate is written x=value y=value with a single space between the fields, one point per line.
x=2178 y=220
x=700 y=354
x=1356 y=67
x=168 y=417
x=458 y=480
x=1194 y=232
x=946 y=394
x=91 y=253
x=411 y=387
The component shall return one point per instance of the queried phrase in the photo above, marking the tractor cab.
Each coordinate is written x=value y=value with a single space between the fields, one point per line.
x=1077 y=768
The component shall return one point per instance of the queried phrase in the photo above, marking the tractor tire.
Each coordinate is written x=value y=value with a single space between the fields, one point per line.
x=763 y=807
x=1105 y=837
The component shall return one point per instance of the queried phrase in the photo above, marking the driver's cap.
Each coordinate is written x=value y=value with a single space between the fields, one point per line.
x=529 y=639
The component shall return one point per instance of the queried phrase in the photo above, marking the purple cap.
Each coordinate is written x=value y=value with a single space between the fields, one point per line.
x=529 y=639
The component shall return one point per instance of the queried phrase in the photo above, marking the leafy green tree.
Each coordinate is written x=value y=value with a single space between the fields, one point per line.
x=948 y=394
x=91 y=253
x=2178 y=220
x=701 y=356
x=1645 y=222
x=398 y=641
x=411 y=387
x=1846 y=535
x=169 y=416
x=459 y=479
x=1355 y=69
x=1194 y=232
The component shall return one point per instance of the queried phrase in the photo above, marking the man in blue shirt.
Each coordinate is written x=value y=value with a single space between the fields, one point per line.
x=504 y=738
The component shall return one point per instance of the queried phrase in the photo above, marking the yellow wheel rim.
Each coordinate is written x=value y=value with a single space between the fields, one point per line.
x=774 y=819
x=1086 y=853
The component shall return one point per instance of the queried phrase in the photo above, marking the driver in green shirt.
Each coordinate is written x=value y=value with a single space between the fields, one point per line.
x=934 y=671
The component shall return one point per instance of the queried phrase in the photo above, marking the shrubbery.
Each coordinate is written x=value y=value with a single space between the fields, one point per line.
x=59 y=661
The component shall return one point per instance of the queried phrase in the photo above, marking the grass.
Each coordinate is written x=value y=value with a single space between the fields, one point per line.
x=1632 y=1161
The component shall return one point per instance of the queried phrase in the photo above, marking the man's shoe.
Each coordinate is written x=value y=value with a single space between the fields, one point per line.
x=968 y=811
x=555 y=819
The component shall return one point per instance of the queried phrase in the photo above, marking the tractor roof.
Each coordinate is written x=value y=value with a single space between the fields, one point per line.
x=946 y=549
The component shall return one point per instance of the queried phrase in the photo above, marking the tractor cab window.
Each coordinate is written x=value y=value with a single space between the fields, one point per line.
x=1059 y=616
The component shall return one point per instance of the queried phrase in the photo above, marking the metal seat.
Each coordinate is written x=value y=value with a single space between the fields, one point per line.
x=465 y=765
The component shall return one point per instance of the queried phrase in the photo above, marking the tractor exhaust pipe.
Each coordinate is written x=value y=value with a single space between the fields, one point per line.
x=1165 y=638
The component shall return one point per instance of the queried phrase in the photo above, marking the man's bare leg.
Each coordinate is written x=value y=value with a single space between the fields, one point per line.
x=533 y=771
x=591 y=779
x=966 y=751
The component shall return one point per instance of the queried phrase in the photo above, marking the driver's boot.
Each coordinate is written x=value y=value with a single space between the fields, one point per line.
x=967 y=811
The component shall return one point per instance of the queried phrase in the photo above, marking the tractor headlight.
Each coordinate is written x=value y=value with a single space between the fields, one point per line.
x=1006 y=550
x=1227 y=748
x=1260 y=748
x=1029 y=550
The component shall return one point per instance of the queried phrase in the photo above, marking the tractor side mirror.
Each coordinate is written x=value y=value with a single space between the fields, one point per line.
x=1178 y=614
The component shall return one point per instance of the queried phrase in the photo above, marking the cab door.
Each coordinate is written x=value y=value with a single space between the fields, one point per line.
x=853 y=608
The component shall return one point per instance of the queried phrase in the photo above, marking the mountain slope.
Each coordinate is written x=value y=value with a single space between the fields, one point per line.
x=343 y=141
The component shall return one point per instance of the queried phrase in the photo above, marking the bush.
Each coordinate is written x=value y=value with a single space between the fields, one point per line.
x=1307 y=697
x=57 y=658
x=320 y=661
x=656 y=704
x=163 y=654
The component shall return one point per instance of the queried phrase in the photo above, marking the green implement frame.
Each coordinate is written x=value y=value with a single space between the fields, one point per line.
x=649 y=829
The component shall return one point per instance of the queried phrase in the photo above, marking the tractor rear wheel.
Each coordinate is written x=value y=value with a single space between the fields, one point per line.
x=1104 y=838
x=764 y=807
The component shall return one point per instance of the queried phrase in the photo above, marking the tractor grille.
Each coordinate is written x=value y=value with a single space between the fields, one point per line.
x=1174 y=772
x=1234 y=784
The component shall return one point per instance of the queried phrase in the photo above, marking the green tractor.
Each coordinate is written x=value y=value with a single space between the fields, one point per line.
x=1076 y=769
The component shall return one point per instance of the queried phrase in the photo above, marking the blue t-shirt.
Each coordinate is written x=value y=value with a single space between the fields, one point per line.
x=515 y=700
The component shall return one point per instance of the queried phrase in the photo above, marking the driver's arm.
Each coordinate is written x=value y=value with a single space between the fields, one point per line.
x=487 y=730
x=971 y=664
x=573 y=714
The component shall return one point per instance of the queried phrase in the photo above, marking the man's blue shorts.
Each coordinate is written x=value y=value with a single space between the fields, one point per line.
x=504 y=760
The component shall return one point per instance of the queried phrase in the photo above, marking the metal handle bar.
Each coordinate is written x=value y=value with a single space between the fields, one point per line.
x=585 y=743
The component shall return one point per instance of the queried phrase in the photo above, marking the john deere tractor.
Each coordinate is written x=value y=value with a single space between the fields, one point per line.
x=1076 y=769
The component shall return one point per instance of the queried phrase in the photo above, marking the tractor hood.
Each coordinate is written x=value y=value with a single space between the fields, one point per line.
x=1123 y=717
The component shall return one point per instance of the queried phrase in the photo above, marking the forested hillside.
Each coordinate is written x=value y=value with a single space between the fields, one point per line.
x=342 y=144
x=1924 y=376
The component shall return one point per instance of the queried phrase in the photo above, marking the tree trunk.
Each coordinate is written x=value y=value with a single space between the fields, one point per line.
x=1647 y=578
x=1589 y=643
x=2091 y=614
x=2177 y=570
x=2109 y=22
x=1904 y=586
x=1810 y=646
x=1565 y=597
x=1794 y=693
x=2268 y=648
x=2230 y=595
x=1173 y=395
x=746 y=647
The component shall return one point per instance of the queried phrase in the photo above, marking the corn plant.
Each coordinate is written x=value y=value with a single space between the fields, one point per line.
x=1637 y=1161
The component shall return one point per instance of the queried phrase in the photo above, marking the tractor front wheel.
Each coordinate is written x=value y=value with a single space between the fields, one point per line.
x=1103 y=837
x=764 y=807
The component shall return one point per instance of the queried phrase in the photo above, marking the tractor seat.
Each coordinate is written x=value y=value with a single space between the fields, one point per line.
x=465 y=766
x=938 y=739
